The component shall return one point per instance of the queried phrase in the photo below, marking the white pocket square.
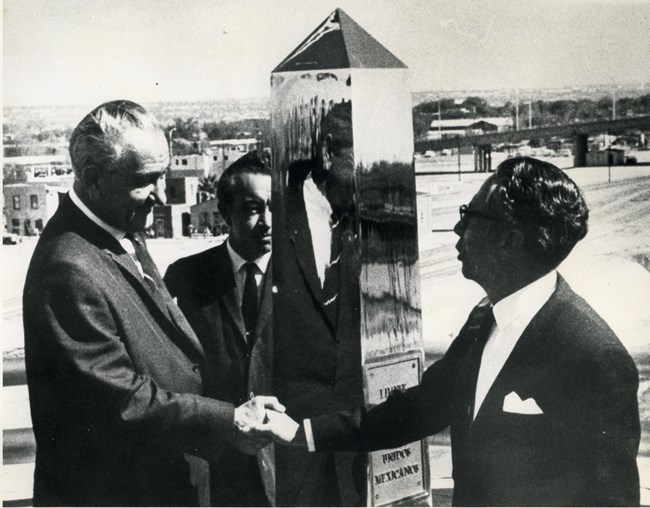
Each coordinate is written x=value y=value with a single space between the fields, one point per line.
x=513 y=404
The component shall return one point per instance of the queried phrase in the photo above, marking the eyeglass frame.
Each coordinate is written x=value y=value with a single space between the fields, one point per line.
x=466 y=213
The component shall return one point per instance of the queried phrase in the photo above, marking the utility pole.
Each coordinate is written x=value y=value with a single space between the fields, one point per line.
x=170 y=141
x=439 y=121
x=530 y=114
x=517 y=109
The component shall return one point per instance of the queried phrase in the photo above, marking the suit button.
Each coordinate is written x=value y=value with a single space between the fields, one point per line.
x=195 y=367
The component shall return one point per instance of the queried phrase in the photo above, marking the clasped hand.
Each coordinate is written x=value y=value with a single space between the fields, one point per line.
x=260 y=421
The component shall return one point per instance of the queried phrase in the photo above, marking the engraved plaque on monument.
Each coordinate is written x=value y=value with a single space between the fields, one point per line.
x=401 y=473
x=345 y=254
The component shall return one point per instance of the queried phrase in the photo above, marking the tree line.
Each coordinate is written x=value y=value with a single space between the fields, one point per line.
x=544 y=113
x=190 y=135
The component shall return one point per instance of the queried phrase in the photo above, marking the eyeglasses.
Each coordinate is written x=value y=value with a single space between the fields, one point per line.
x=466 y=213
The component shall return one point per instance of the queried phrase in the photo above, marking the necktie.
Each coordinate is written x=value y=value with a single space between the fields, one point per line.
x=249 y=303
x=482 y=336
x=150 y=272
x=486 y=326
x=331 y=284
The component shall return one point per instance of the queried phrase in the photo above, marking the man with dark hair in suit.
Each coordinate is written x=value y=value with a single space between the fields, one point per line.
x=225 y=293
x=539 y=393
x=117 y=378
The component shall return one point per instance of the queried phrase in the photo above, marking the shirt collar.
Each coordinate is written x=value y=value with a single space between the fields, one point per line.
x=237 y=261
x=313 y=196
x=115 y=233
x=526 y=302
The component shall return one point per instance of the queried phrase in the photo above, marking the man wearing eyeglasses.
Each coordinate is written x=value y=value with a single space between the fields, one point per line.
x=539 y=393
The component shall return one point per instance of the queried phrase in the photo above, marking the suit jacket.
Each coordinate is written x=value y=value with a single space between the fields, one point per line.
x=114 y=374
x=205 y=288
x=580 y=451
x=317 y=355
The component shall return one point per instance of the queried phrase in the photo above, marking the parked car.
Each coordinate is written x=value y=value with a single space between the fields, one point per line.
x=10 y=238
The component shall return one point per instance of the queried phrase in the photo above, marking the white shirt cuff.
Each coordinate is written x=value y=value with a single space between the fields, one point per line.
x=309 y=435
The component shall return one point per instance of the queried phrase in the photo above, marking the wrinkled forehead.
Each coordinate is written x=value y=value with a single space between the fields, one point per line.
x=148 y=146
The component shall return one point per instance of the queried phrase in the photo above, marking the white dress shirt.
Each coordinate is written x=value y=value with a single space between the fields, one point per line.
x=319 y=217
x=512 y=315
x=239 y=271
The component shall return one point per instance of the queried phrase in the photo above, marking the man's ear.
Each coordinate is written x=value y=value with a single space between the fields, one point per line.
x=225 y=215
x=326 y=152
x=91 y=179
x=512 y=241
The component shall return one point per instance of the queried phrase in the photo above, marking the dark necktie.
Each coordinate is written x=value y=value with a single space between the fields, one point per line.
x=486 y=326
x=249 y=303
x=481 y=338
x=150 y=272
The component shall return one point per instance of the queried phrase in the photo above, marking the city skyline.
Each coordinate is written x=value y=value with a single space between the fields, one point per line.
x=73 y=52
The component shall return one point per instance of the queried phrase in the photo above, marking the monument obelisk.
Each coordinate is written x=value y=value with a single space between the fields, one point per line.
x=347 y=315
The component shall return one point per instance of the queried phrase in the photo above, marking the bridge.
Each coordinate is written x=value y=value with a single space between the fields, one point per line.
x=579 y=131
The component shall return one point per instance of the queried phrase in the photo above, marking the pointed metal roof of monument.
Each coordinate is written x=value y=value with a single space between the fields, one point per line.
x=339 y=43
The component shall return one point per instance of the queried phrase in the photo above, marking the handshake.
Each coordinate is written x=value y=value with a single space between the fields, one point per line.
x=262 y=420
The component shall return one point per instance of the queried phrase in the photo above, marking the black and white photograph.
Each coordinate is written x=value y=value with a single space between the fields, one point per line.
x=325 y=253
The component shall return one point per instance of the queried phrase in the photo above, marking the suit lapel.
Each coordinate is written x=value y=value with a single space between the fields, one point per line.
x=163 y=301
x=223 y=286
x=266 y=301
x=520 y=371
x=300 y=235
x=102 y=240
x=478 y=335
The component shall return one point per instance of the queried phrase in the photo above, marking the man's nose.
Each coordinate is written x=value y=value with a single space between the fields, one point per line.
x=266 y=217
x=158 y=193
x=458 y=229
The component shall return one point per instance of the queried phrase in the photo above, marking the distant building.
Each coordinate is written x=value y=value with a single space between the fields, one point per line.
x=607 y=157
x=183 y=213
x=172 y=220
x=194 y=165
x=227 y=151
x=425 y=212
x=441 y=129
x=28 y=206
x=31 y=168
x=207 y=219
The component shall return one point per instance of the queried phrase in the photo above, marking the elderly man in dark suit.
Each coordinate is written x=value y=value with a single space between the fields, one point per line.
x=538 y=391
x=116 y=375
x=225 y=293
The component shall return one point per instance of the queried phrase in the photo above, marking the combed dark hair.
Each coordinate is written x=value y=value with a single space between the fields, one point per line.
x=252 y=163
x=544 y=203
x=98 y=140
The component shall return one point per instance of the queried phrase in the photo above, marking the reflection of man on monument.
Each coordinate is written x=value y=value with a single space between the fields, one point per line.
x=317 y=349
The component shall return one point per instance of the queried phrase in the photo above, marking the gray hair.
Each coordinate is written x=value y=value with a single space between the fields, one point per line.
x=100 y=139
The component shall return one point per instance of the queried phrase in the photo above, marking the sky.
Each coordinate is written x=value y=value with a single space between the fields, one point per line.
x=69 y=52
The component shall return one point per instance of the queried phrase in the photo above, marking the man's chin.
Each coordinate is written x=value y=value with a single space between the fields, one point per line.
x=138 y=224
x=265 y=247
